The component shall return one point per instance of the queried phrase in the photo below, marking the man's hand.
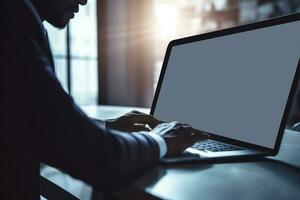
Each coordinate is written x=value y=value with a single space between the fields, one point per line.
x=133 y=122
x=178 y=136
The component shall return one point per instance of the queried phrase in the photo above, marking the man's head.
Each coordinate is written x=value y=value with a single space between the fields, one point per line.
x=58 y=12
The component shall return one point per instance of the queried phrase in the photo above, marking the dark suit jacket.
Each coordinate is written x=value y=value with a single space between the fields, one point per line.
x=41 y=124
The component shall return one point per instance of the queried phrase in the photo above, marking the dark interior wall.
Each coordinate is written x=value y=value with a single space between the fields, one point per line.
x=125 y=52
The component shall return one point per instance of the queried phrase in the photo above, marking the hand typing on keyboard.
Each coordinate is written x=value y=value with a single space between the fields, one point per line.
x=178 y=136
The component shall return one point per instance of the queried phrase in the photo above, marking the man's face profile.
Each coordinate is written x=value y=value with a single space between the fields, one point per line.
x=59 y=12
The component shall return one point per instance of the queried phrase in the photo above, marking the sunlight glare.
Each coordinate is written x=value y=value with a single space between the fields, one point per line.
x=166 y=16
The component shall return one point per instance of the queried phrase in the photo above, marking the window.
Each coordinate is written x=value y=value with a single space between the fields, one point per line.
x=75 y=54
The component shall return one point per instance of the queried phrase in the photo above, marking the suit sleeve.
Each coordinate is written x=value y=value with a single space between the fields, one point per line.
x=64 y=137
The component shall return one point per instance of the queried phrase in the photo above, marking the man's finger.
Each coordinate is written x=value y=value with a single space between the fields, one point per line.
x=200 y=136
x=193 y=136
x=187 y=130
x=145 y=119
x=138 y=128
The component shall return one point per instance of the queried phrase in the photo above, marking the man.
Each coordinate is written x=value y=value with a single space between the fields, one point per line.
x=41 y=124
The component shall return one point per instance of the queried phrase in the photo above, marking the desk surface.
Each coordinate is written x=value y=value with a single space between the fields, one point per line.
x=270 y=178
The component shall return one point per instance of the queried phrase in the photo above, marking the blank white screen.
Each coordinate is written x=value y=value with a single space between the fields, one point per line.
x=234 y=86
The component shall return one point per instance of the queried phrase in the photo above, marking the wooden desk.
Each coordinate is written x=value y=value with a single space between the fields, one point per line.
x=270 y=178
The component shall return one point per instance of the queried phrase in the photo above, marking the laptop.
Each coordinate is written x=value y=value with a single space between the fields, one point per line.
x=236 y=84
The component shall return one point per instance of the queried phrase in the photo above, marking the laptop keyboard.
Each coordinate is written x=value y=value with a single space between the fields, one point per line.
x=214 y=146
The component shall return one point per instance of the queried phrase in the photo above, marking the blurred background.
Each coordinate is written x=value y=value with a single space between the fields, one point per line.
x=111 y=53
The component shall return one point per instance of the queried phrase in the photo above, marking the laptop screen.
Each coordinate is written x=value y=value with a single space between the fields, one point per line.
x=235 y=86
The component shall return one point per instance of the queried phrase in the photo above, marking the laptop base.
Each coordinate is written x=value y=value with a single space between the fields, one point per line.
x=192 y=155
